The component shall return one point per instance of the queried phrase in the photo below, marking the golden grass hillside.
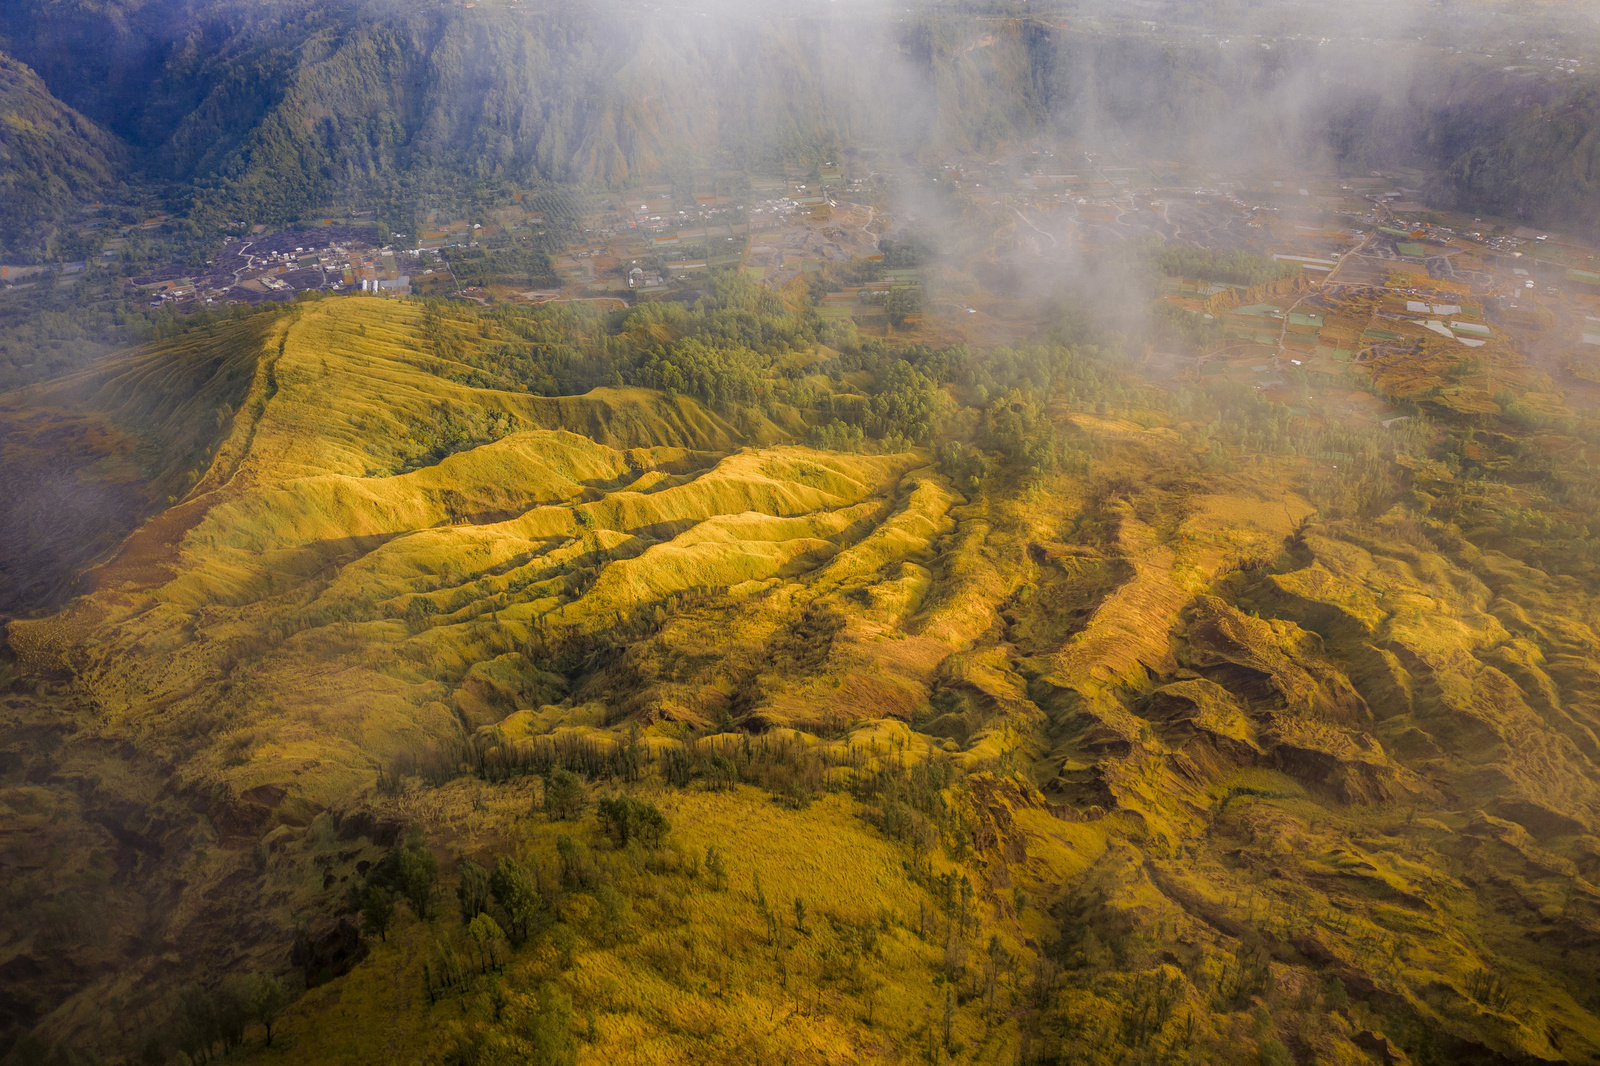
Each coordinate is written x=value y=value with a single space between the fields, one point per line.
x=1161 y=754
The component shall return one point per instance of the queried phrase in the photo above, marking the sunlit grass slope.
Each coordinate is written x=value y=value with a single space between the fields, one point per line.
x=1268 y=753
x=693 y=972
x=358 y=599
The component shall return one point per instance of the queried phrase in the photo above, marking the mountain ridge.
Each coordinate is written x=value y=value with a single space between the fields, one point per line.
x=1173 y=692
x=277 y=118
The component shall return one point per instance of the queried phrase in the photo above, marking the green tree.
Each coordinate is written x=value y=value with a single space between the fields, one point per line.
x=1235 y=268
x=716 y=868
x=574 y=862
x=565 y=941
x=902 y=301
x=549 y=1029
x=417 y=874
x=377 y=914
x=615 y=908
x=1271 y=1052
x=472 y=892
x=564 y=798
x=514 y=890
x=486 y=934
x=904 y=404
x=197 y=1023
x=266 y=998
x=232 y=1006
x=627 y=820
x=912 y=251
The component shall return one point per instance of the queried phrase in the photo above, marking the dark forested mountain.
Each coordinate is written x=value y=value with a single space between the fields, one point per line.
x=51 y=158
x=271 y=110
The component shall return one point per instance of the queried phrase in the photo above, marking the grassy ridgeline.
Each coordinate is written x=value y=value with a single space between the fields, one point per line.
x=1238 y=700
x=84 y=459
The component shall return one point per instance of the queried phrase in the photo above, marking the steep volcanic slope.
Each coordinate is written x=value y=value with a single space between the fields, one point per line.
x=1219 y=769
x=85 y=458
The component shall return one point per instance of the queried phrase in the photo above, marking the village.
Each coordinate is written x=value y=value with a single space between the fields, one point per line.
x=1377 y=271
x=258 y=267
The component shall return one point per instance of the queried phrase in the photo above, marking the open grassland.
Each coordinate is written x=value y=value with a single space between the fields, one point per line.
x=1133 y=725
